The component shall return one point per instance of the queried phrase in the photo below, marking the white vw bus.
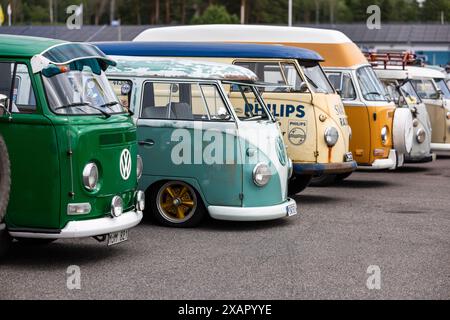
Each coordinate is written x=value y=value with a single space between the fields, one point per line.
x=432 y=89
x=391 y=70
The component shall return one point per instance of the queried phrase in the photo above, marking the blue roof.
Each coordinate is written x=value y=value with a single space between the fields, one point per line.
x=206 y=49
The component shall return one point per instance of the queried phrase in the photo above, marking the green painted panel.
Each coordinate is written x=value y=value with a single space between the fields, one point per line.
x=220 y=184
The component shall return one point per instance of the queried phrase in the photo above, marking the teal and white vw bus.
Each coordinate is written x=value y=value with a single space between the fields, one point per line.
x=204 y=152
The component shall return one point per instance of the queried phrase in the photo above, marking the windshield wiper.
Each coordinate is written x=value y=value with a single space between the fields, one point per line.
x=108 y=105
x=312 y=82
x=84 y=104
x=255 y=118
x=373 y=92
x=113 y=103
x=103 y=112
x=73 y=105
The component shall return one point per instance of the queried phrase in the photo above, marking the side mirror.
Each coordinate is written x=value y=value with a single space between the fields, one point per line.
x=223 y=114
x=339 y=92
x=303 y=87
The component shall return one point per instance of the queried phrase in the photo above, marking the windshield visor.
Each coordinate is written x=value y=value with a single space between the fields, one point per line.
x=70 y=52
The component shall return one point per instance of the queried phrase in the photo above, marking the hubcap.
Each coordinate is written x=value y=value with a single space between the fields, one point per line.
x=176 y=202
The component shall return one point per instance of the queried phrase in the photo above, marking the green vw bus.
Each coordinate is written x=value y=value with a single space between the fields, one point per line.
x=72 y=145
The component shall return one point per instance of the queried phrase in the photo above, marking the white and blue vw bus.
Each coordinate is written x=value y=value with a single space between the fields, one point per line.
x=204 y=152
x=311 y=114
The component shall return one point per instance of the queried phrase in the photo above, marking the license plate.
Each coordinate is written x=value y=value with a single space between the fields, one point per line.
x=291 y=210
x=348 y=157
x=117 y=237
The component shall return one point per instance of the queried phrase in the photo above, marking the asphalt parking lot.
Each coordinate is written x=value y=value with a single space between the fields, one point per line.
x=398 y=221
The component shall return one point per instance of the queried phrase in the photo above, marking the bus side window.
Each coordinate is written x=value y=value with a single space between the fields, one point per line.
x=336 y=80
x=343 y=82
x=292 y=76
x=24 y=99
x=175 y=101
x=6 y=72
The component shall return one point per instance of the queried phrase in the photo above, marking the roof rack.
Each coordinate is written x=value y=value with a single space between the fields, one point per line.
x=392 y=59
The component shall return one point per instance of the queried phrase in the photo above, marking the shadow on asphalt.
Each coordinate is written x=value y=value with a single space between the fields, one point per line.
x=356 y=184
x=411 y=169
x=314 y=199
x=58 y=254
x=443 y=156
x=221 y=225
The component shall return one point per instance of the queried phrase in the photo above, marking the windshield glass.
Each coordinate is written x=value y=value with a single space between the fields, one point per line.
x=409 y=93
x=371 y=87
x=391 y=89
x=443 y=86
x=425 y=89
x=81 y=92
x=317 y=78
x=247 y=103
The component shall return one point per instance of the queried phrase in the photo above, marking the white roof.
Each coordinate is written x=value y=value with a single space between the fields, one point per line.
x=243 y=33
x=411 y=72
x=391 y=73
x=179 y=68
x=424 y=72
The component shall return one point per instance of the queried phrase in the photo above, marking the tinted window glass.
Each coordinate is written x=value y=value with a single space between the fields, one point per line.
x=23 y=99
x=183 y=101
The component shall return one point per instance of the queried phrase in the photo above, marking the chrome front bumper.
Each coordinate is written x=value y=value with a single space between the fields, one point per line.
x=390 y=163
x=250 y=213
x=87 y=228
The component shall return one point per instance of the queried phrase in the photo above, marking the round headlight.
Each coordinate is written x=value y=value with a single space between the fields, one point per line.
x=415 y=122
x=420 y=135
x=116 y=206
x=140 y=201
x=448 y=115
x=384 y=135
x=139 y=167
x=261 y=174
x=90 y=176
x=331 y=136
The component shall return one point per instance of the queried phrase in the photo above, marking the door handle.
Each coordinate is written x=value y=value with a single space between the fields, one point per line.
x=147 y=143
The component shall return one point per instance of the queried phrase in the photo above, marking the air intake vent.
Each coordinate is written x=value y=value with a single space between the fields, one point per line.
x=117 y=138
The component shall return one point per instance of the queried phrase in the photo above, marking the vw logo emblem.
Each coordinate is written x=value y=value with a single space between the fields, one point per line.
x=125 y=164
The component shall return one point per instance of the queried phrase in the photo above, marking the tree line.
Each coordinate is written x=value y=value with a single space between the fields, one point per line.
x=136 y=12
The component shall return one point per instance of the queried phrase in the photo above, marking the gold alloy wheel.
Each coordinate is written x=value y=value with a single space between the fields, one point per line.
x=176 y=201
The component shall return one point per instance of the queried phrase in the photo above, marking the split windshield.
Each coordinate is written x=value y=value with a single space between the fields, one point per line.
x=247 y=103
x=425 y=88
x=443 y=86
x=371 y=87
x=81 y=91
x=317 y=78
x=409 y=93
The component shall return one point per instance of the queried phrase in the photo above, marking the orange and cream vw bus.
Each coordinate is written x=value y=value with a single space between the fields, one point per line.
x=370 y=113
